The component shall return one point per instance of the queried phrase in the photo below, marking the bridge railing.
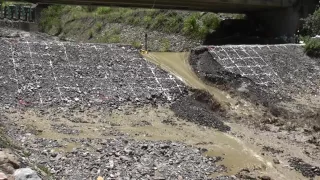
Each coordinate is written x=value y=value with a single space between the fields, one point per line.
x=18 y=12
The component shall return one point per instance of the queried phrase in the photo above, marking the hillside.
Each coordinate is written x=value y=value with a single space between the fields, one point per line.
x=168 y=30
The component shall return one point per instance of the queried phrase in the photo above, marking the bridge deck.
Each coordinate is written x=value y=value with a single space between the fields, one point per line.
x=203 y=5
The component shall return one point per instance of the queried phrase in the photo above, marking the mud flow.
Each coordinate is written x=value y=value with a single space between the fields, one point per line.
x=237 y=154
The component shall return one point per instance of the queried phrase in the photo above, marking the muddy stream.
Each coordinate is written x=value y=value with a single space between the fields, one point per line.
x=237 y=155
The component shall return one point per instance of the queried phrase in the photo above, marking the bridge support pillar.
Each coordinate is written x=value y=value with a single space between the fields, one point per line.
x=38 y=8
x=278 y=22
x=285 y=21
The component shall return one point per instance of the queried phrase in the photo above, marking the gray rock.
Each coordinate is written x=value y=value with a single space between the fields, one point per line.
x=3 y=176
x=26 y=174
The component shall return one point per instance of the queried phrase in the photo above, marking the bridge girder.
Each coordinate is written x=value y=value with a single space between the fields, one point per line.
x=227 y=6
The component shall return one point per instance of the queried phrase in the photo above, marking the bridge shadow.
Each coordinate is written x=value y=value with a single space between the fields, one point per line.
x=243 y=32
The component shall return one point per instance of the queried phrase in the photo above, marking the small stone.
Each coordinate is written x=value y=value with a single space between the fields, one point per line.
x=26 y=174
x=100 y=178
x=159 y=178
x=7 y=168
x=125 y=158
x=164 y=146
x=111 y=164
x=265 y=178
x=276 y=161
x=7 y=157
x=54 y=155
x=3 y=176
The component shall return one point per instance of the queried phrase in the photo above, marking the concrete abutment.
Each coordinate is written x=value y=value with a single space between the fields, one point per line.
x=284 y=21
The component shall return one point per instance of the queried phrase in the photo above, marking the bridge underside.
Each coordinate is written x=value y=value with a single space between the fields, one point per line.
x=279 y=17
x=228 y=6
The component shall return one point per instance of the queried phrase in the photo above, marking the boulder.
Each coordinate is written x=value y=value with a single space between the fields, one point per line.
x=26 y=174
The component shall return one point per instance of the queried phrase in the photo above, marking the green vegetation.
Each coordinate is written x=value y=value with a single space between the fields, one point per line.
x=136 y=44
x=52 y=22
x=311 y=25
x=311 y=28
x=111 y=36
x=98 y=26
x=45 y=170
x=198 y=26
x=194 y=25
x=165 y=45
x=312 y=47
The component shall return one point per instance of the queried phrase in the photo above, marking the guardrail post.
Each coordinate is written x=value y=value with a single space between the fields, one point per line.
x=11 y=7
x=1 y=11
x=33 y=14
x=25 y=13
x=18 y=12
x=146 y=42
x=5 y=13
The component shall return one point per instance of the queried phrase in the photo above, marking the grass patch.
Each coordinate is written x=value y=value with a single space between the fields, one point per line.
x=103 y=10
x=98 y=26
x=165 y=45
x=111 y=36
x=52 y=21
x=90 y=34
x=45 y=170
x=199 y=26
x=136 y=44
x=312 y=47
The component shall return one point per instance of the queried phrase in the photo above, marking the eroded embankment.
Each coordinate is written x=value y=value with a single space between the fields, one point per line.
x=281 y=83
x=279 y=77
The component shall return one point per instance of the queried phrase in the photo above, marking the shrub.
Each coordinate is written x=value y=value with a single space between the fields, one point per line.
x=136 y=44
x=191 y=25
x=165 y=45
x=111 y=36
x=51 y=19
x=158 y=22
x=199 y=27
x=311 y=25
x=312 y=47
x=98 y=26
x=147 y=21
x=89 y=8
x=103 y=10
x=90 y=34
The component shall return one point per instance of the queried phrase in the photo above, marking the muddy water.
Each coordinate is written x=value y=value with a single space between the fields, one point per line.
x=236 y=154
x=148 y=123
x=178 y=65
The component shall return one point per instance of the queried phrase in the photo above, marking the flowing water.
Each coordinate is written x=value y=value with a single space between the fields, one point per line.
x=236 y=154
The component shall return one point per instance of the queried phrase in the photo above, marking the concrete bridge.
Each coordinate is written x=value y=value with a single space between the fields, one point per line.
x=235 y=6
x=279 y=17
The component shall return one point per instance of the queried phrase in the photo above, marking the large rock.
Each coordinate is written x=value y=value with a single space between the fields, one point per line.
x=3 y=176
x=8 y=162
x=26 y=174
